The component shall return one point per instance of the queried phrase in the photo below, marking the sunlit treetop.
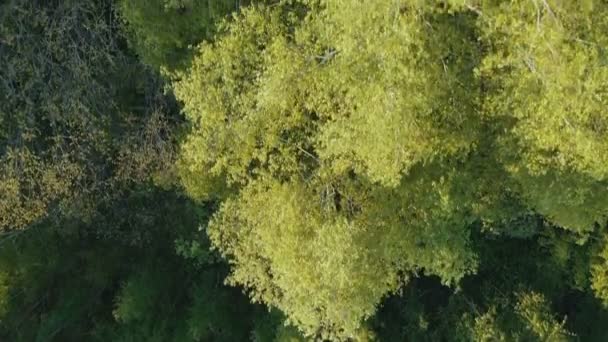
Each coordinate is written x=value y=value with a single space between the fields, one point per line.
x=355 y=144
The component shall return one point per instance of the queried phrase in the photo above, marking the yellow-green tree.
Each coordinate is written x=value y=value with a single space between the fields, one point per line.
x=324 y=142
x=546 y=73
x=353 y=145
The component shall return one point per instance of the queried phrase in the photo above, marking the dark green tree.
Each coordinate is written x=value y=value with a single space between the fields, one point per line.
x=164 y=32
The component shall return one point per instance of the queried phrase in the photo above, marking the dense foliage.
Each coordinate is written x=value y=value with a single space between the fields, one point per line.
x=162 y=32
x=291 y=170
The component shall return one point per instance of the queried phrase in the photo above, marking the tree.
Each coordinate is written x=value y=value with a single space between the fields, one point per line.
x=321 y=222
x=354 y=145
x=366 y=170
x=545 y=71
x=162 y=31
x=72 y=104
x=130 y=284
x=530 y=319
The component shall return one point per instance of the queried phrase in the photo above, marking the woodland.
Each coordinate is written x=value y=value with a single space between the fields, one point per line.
x=303 y=170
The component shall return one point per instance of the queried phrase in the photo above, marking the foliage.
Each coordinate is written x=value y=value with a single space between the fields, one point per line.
x=599 y=274
x=347 y=170
x=115 y=288
x=546 y=74
x=162 y=31
x=354 y=145
x=71 y=112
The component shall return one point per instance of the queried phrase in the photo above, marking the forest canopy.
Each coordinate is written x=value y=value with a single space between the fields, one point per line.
x=286 y=170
